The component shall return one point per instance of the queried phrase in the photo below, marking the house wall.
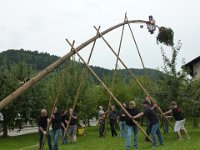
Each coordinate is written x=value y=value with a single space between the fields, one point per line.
x=196 y=70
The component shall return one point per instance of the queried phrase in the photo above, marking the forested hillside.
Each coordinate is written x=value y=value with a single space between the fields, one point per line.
x=41 y=60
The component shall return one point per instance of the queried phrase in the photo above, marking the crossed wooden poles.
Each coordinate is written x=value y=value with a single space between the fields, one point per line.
x=111 y=94
x=60 y=61
x=13 y=96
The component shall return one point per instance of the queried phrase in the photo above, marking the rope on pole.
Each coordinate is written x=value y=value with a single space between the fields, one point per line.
x=116 y=100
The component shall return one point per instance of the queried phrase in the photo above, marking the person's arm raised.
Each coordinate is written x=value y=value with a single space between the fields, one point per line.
x=138 y=115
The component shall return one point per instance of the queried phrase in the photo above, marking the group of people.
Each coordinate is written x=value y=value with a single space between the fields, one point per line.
x=129 y=127
x=64 y=122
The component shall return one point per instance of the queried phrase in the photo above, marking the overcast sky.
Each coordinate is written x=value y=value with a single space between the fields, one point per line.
x=44 y=25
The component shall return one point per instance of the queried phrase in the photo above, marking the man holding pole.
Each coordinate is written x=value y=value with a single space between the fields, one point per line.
x=153 y=120
x=56 y=125
x=179 y=118
x=42 y=129
x=72 y=130
x=131 y=126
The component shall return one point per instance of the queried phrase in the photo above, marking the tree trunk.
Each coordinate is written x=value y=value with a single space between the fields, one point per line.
x=5 y=129
x=195 y=123
x=88 y=122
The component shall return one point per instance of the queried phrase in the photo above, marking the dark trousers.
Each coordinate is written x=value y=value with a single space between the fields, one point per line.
x=112 y=127
x=101 y=129
x=148 y=130
x=41 y=136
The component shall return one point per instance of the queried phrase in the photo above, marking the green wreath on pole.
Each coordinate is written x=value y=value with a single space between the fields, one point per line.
x=165 y=36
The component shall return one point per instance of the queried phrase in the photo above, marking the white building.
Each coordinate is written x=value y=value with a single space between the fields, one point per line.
x=194 y=68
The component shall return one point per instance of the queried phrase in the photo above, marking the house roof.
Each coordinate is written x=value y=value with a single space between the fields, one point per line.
x=190 y=64
x=194 y=61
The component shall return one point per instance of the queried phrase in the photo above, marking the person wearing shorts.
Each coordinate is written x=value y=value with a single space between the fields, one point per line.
x=179 y=118
x=72 y=130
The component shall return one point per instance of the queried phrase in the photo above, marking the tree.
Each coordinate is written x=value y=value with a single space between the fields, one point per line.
x=27 y=106
x=169 y=87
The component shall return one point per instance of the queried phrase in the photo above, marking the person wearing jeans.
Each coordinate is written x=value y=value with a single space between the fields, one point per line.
x=131 y=127
x=56 y=134
x=155 y=130
x=56 y=125
x=153 y=120
x=42 y=129
x=64 y=126
x=122 y=122
x=130 y=130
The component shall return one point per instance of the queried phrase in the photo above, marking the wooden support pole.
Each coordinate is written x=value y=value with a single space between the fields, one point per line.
x=50 y=68
x=116 y=100
x=116 y=65
x=55 y=102
x=138 y=51
x=137 y=81
x=79 y=88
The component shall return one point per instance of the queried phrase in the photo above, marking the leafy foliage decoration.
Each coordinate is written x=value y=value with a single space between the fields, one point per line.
x=165 y=36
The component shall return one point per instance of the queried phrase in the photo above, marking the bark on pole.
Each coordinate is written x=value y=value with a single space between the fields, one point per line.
x=57 y=63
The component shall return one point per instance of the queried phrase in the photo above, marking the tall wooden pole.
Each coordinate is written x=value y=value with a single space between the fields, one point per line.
x=79 y=89
x=116 y=65
x=54 y=65
x=137 y=81
x=138 y=51
x=116 y=100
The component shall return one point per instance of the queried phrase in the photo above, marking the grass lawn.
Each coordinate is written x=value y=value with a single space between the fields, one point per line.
x=92 y=142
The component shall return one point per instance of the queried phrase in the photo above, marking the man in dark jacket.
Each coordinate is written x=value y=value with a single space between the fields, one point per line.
x=64 y=125
x=113 y=116
x=42 y=129
x=153 y=120
x=131 y=127
x=56 y=125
